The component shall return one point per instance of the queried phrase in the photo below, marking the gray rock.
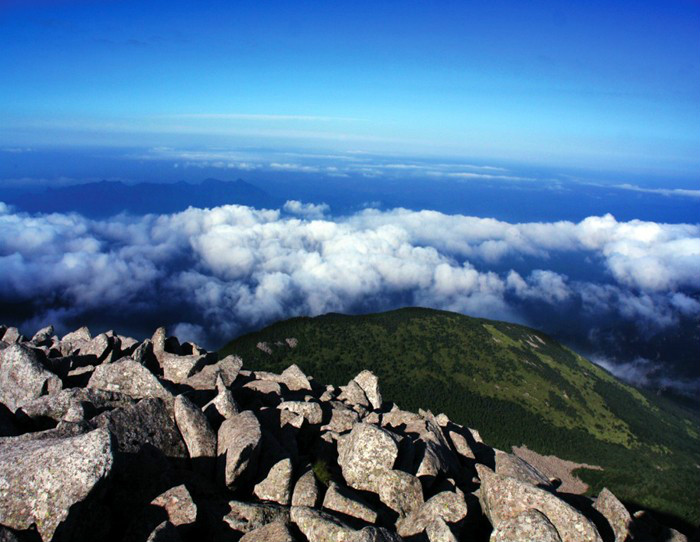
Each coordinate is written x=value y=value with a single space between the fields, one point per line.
x=370 y=385
x=277 y=531
x=615 y=512
x=12 y=336
x=178 y=504
x=245 y=517
x=222 y=407
x=178 y=369
x=400 y=491
x=311 y=412
x=277 y=485
x=295 y=379
x=43 y=335
x=264 y=387
x=147 y=422
x=238 y=448
x=398 y=417
x=227 y=369
x=165 y=532
x=40 y=481
x=516 y=467
x=529 y=525
x=353 y=394
x=81 y=334
x=306 y=491
x=461 y=446
x=503 y=498
x=349 y=503
x=342 y=419
x=23 y=377
x=198 y=435
x=63 y=405
x=365 y=454
x=439 y=531
x=319 y=526
x=449 y=506
x=129 y=377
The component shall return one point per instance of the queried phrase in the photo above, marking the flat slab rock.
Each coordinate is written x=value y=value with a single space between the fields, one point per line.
x=319 y=526
x=41 y=480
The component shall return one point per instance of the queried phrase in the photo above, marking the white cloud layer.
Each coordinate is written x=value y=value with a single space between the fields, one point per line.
x=230 y=268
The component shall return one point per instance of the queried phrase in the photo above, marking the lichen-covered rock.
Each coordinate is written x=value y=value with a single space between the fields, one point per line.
x=439 y=531
x=319 y=526
x=306 y=491
x=311 y=411
x=227 y=369
x=615 y=513
x=245 y=517
x=198 y=435
x=178 y=504
x=129 y=377
x=516 y=467
x=223 y=406
x=43 y=335
x=461 y=446
x=178 y=369
x=349 y=503
x=353 y=394
x=449 y=506
x=238 y=448
x=400 y=491
x=295 y=379
x=529 y=525
x=364 y=454
x=40 y=481
x=147 y=422
x=277 y=485
x=64 y=404
x=370 y=385
x=342 y=419
x=503 y=498
x=277 y=531
x=23 y=377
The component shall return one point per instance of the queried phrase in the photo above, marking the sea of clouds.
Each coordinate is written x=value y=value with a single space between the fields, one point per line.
x=210 y=274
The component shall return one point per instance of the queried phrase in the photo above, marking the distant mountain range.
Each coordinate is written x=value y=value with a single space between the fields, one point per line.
x=107 y=198
x=516 y=384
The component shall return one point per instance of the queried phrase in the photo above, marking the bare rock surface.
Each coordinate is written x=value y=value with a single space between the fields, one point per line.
x=530 y=525
x=238 y=448
x=615 y=513
x=195 y=429
x=277 y=531
x=306 y=491
x=244 y=517
x=277 y=485
x=129 y=377
x=450 y=507
x=178 y=504
x=41 y=480
x=23 y=377
x=370 y=385
x=365 y=454
x=347 y=502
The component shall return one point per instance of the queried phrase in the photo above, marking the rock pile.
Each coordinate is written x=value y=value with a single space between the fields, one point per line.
x=107 y=438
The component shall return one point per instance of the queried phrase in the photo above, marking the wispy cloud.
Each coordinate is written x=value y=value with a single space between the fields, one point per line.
x=681 y=192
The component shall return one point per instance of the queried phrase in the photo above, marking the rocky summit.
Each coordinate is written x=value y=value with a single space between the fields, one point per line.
x=109 y=438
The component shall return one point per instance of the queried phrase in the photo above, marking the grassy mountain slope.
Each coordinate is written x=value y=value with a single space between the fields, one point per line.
x=514 y=384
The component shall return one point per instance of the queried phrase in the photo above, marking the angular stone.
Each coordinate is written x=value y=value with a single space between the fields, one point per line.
x=41 y=480
x=178 y=504
x=503 y=498
x=306 y=491
x=227 y=369
x=398 y=417
x=43 y=335
x=349 y=503
x=245 y=517
x=529 y=525
x=319 y=526
x=311 y=412
x=277 y=485
x=198 y=435
x=129 y=377
x=238 y=448
x=23 y=377
x=164 y=532
x=295 y=379
x=615 y=512
x=147 y=422
x=277 y=531
x=178 y=369
x=461 y=446
x=516 y=467
x=353 y=394
x=342 y=419
x=223 y=406
x=364 y=454
x=63 y=405
x=400 y=491
x=79 y=335
x=449 y=506
x=439 y=531
x=370 y=385
x=12 y=336
x=265 y=387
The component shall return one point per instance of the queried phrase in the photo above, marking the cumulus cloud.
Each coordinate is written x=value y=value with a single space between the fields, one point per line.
x=212 y=273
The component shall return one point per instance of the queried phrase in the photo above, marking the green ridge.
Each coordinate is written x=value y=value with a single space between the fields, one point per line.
x=514 y=384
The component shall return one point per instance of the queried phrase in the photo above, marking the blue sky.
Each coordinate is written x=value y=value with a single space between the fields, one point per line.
x=595 y=84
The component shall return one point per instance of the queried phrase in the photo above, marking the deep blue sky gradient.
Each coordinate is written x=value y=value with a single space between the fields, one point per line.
x=594 y=84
